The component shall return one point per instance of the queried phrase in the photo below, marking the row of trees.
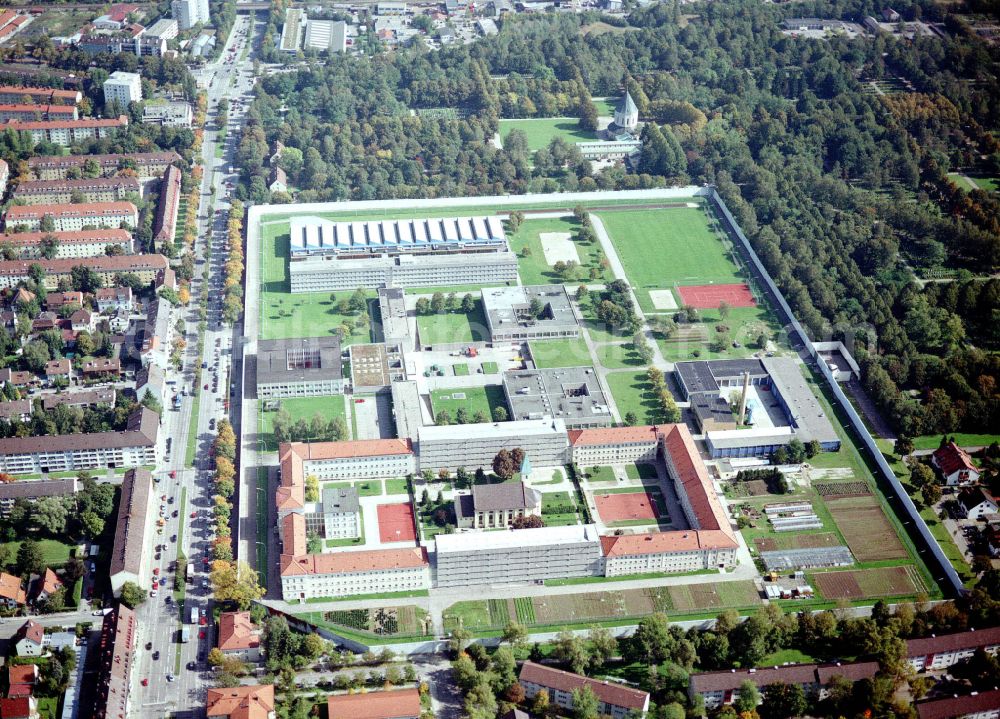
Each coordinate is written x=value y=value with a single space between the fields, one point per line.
x=232 y=303
x=224 y=482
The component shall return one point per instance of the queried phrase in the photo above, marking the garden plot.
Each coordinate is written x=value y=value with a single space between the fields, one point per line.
x=558 y=247
x=868 y=583
x=866 y=529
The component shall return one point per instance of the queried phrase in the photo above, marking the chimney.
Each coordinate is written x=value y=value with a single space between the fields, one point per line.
x=743 y=398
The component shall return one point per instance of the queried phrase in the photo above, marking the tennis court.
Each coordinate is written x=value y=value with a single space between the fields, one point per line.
x=709 y=296
x=395 y=523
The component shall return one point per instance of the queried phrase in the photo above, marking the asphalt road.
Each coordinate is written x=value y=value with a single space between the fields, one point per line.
x=170 y=686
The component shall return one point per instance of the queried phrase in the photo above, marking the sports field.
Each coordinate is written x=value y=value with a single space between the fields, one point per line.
x=541 y=131
x=663 y=248
x=560 y=353
x=533 y=268
x=473 y=399
x=626 y=506
x=450 y=327
x=395 y=523
x=707 y=296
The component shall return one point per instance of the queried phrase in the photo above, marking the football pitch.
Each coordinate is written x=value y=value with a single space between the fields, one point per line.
x=663 y=248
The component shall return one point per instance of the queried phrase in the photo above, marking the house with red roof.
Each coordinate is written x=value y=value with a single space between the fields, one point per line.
x=244 y=702
x=21 y=680
x=238 y=637
x=613 y=700
x=19 y=708
x=955 y=465
x=48 y=584
x=390 y=704
x=29 y=641
x=12 y=594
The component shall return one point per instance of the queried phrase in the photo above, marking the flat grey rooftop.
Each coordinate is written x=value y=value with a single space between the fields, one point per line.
x=568 y=393
x=340 y=500
x=804 y=410
x=508 y=307
x=298 y=360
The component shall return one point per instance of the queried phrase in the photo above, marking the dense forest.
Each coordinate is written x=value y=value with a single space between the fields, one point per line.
x=843 y=191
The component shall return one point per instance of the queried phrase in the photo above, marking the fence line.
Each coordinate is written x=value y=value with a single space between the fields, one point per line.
x=951 y=578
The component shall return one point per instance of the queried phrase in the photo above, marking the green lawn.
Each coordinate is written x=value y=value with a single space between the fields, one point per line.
x=490 y=368
x=558 y=509
x=619 y=356
x=561 y=353
x=54 y=552
x=453 y=327
x=663 y=248
x=987 y=183
x=785 y=656
x=933 y=441
x=607 y=106
x=284 y=315
x=542 y=131
x=599 y=474
x=475 y=399
x=368 y=488
x=396 y=486
x=460 y=370
x=533 y=268
x=641 y=471
x=633 y=392
x=301 y=408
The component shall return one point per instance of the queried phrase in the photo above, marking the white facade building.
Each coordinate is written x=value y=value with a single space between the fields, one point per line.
x=544 y=442
x=346 y=573
x=123 y=88
x=189 y=13
x=517 y=555
x=934 y=653
x=72 y=217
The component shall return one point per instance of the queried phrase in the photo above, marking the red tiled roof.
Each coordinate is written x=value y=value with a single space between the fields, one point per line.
x=683 y=455
x=51 y=581
x=22 y=673
x=293 y=534
x=139 y=158
x=394 y=704
x=345 y=562
x=612 y=694
x=614 y=435
x=658 y=542
x=10 y=589
x=112 y=235
x=236 y=631
x=121 y=121
x=47 y=93
x=19 y=708
x=82 y=209
x=952 y=458
x=245 y=702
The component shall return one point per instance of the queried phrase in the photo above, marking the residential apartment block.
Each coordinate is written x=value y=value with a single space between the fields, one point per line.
x=131 y=555
x=39 y=95
x=613 y=700
x=67 y=132
x=189 y=13
x=32 y=491
x=933 y=653
x=119 y=636
x=72 y=217
x=165 y=222
x=146 y=267
x=146 y=165
x=37 y=112
x=398 y=253
x=133 y=447
x=57 y=192
x=977 y=705
x=346 y=573
x=123 y=88
x=723 y=687
x=303 y=367
x=518 y=555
